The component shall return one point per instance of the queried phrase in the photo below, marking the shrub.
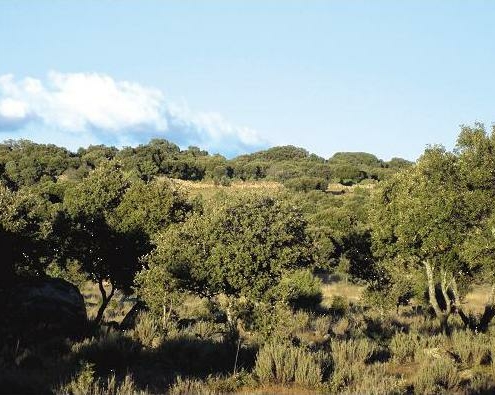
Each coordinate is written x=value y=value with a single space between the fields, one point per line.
x=191 y=356
x=224 y=181
x=107 y=352
x=211 y=386
x=283 y=364
x=339 y=306
x=85 y=383
x=437 y=376
x=190 y=386
x=306 y=184
x=403 y=346
x=350 y=352
x=471 y=348
x=372 y=380
x=482 y=383
x=277 y=322
x=147 y=330
x=300 y=289
x=206 y=330
x=321 y=325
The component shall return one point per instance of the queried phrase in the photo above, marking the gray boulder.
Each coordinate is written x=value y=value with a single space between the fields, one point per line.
x=45 y=304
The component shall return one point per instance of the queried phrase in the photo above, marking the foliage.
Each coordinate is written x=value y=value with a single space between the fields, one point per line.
x=283 y=364
x=436 y=217
x=147 y=330
x=85 y=383
x=26 y=163
x=110 y=222
x=26 y=233
x=305 y=184
x=471 y=348
x=242 y=247
x=213 y=385
x=437 y=376
x=300 y=289
x=404 y=346
x=350 y=352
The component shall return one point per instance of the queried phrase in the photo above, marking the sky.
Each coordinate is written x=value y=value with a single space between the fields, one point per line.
x=232 y=76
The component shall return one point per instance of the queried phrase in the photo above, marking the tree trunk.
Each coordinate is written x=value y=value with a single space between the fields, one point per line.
x=441 y=315
x=486 y=317
x=431 y=289
x=105 y=299
x=458 y=308
x=166 y=314
x=444 y=287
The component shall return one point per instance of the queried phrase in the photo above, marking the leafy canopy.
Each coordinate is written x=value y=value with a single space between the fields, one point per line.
x=240 y=247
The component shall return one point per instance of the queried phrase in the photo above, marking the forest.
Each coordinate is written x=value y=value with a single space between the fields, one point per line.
x=160 y=270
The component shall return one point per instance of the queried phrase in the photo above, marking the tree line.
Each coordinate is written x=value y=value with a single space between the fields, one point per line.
x=24 y=163
x=426 y=232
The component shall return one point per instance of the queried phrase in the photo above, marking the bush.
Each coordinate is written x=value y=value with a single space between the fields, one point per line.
x=339 y=306
x=436 y=376
x=306 y=184
x=108 y=352
x=283 y=364
x=351 y=352
x=206 y=330
x=321 y=325
x=212 y=385
x=300 y=289
x=372 y=380
x=85 y=383
x=277 y=322
x=147 y=330
x=190 y=386
x=471 y=348
x=403 y=346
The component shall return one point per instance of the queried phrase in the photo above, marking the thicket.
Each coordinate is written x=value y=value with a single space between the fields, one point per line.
x=226 y=290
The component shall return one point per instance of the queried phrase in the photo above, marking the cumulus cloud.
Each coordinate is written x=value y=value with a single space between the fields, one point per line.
x=94 y=107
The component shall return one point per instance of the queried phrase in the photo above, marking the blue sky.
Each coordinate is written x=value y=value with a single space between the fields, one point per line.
x=386 y=77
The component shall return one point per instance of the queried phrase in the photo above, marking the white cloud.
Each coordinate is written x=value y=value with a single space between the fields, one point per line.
x=96 y=105
x=13 y=109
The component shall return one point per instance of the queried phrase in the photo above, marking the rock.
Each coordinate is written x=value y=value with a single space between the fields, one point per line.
x=49 y=305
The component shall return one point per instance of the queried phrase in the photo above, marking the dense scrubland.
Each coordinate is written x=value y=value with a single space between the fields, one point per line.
x=160 y=270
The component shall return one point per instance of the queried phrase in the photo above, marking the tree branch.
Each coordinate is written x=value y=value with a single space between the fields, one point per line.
x=457 y=304
x=444 y=287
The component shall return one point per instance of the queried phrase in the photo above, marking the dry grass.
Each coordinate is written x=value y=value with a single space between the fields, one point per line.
x=235 y=185
x=348 y=291
x=339 y=188
x=277 y=389
x=475 y=300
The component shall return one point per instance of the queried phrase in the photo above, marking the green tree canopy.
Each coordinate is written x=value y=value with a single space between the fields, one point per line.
x=110 y=222
x=433 y=221
x=241 y=248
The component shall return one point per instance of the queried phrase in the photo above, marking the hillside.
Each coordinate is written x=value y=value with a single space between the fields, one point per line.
x=26 y=163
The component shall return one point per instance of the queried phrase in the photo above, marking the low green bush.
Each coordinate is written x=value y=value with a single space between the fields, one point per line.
x=436 y=376
x=85 y=383
x=471 y=348
x=212 y=385
x=281 y=363
x=371 y=380
x=300 y=289
x=351 y=352
x=108 y=352
x=147 y=330
x=403 y=346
